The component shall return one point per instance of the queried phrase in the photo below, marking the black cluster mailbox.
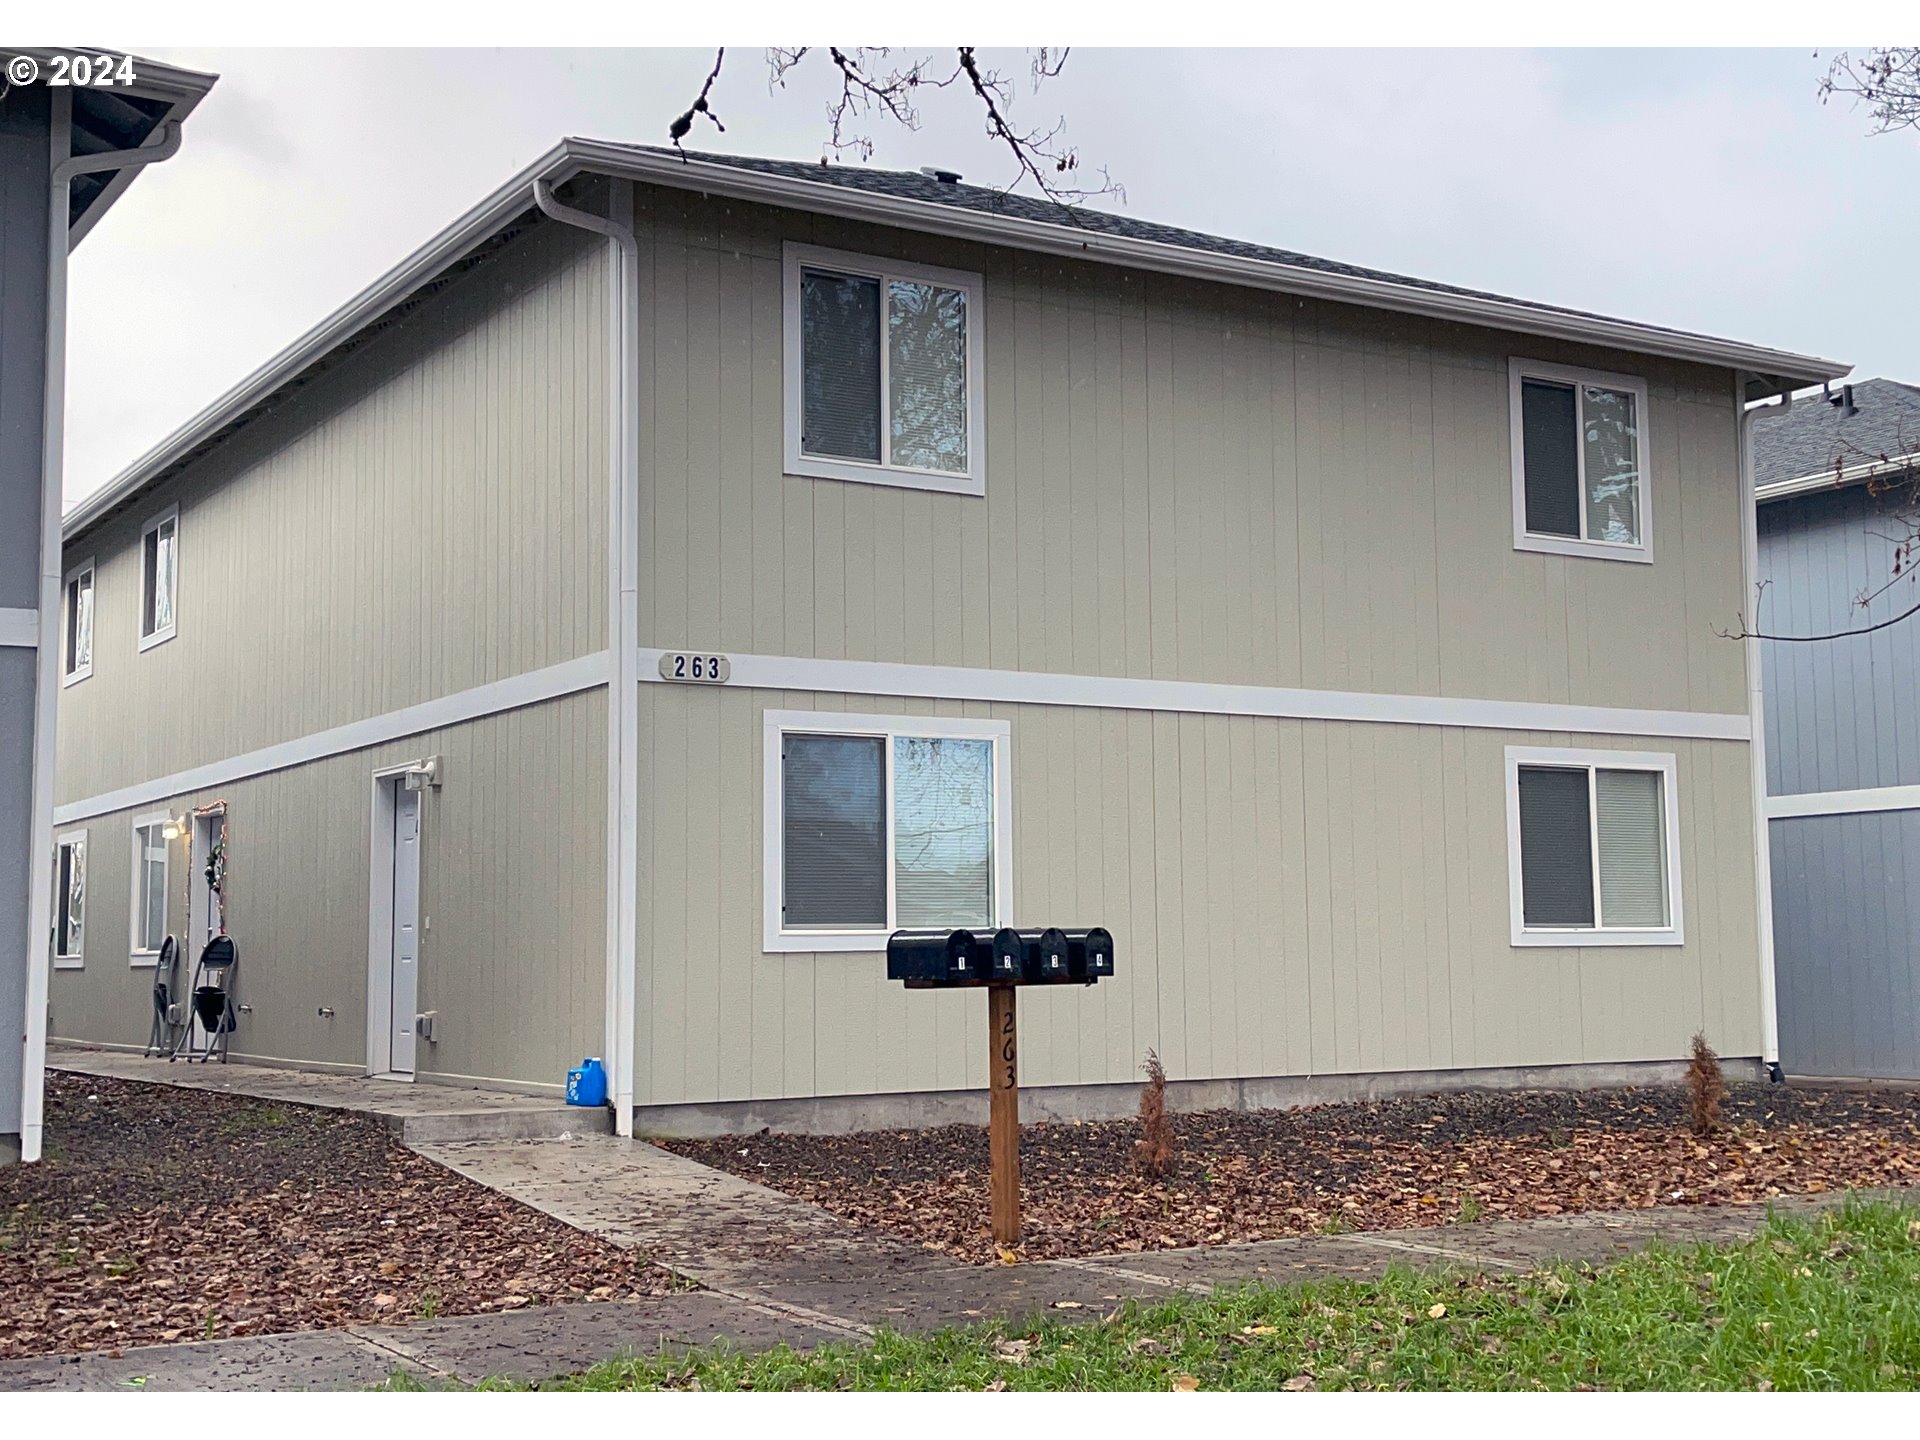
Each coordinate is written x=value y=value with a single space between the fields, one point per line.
x=959 y=959
x=1000 y=964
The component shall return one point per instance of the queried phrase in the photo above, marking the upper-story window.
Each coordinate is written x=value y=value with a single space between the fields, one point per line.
x=1579 y=462
x=76 y=628
x=159 y=576
x=883 y=372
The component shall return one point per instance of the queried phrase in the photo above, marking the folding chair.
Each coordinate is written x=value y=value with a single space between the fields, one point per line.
x=163 y=1036
x=212 y=1010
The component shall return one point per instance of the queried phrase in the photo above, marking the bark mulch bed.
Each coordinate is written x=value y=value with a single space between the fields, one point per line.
x=1420 y=1161
x=163 y=1214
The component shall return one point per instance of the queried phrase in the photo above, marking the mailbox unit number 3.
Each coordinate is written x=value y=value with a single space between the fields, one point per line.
x=703 y=669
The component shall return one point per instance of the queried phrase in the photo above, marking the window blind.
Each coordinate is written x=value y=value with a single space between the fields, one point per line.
x=840 y=365
x=1633 y=848
x=1549 y=437
x=927 y=376
x=943 y=832
x=1556 y=848
x=834 y=832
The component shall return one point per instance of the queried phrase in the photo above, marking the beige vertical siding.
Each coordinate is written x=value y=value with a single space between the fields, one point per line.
x=1288 y=897
x=513 y=888
x=1185 y=481
x=425 y=516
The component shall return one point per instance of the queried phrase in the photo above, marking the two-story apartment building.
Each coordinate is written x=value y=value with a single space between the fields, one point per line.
x=682 y=572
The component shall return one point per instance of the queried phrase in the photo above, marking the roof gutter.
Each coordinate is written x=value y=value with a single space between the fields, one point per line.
x=1769 y=366
x=1772 y=371
x=1836 y=479
x=182 y=90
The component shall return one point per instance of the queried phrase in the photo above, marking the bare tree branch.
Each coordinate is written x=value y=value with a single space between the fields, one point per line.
x=1035 y=152
x=683 y=122
x=1742 y=633
x=1886 y=78
x=874 y=84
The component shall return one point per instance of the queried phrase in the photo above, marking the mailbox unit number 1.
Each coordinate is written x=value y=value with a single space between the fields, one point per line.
x=702 y=669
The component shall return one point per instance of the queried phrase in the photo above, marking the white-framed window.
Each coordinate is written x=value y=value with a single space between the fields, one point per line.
x=149 y=918
x=159 y=576
x=1580 y=462
x=1593 y=847
x=884 y=364
x=76 y=624
x=876 y=823
x=69 y=900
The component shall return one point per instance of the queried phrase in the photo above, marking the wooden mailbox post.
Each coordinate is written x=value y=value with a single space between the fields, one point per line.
x=957 y=959
x=1003 y=1112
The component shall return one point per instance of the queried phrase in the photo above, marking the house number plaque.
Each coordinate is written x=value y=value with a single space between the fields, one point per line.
x=695 y=668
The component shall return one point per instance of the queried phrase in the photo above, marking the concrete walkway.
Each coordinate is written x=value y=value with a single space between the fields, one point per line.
x=418 y=1112
x=803 y=1306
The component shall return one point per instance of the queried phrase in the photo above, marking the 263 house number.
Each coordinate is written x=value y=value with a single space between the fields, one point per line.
x=692 y=666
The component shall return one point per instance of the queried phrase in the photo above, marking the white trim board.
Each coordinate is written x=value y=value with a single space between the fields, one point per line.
x=1844 y=802
x=567 y=678
x=1033 y=687
x=20 y=629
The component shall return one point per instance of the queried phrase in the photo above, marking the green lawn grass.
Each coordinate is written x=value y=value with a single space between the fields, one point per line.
x=1830 y=1302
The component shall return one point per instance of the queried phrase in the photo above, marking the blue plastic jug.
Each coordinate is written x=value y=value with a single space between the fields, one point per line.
x=587 y=1083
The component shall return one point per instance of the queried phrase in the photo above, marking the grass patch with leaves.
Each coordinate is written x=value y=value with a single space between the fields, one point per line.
x=1830 y=1302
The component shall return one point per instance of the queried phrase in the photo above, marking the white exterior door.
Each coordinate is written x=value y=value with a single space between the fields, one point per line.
x=405 y=974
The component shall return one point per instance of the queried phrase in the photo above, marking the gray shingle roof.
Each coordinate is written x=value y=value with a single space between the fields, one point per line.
x=1813 y=436
x=911 y=185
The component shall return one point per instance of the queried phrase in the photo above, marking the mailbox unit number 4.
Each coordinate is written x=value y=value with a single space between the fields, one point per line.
x=704 y=669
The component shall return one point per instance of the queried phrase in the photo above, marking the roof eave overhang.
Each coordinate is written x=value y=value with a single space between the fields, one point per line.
x=1765 y=371
x=1768 y=365
x=1840 y=479
x=179 y=88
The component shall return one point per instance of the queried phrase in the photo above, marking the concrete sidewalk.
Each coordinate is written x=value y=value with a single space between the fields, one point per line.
x=418 y=1112
x=841 y=1298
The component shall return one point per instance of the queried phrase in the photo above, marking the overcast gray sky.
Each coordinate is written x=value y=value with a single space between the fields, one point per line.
x=1708 y=190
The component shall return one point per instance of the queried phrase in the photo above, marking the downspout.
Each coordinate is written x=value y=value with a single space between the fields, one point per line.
x=62 y=168
x=1757 y=744
x=623 y=627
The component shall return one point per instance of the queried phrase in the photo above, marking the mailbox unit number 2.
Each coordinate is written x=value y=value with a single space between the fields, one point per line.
x=700 y=669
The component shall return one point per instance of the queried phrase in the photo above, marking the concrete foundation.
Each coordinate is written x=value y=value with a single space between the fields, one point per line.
x=845 y=1114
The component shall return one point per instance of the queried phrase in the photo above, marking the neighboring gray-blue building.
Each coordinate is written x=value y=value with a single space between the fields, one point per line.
x=67 y=151
x=1837 y=481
